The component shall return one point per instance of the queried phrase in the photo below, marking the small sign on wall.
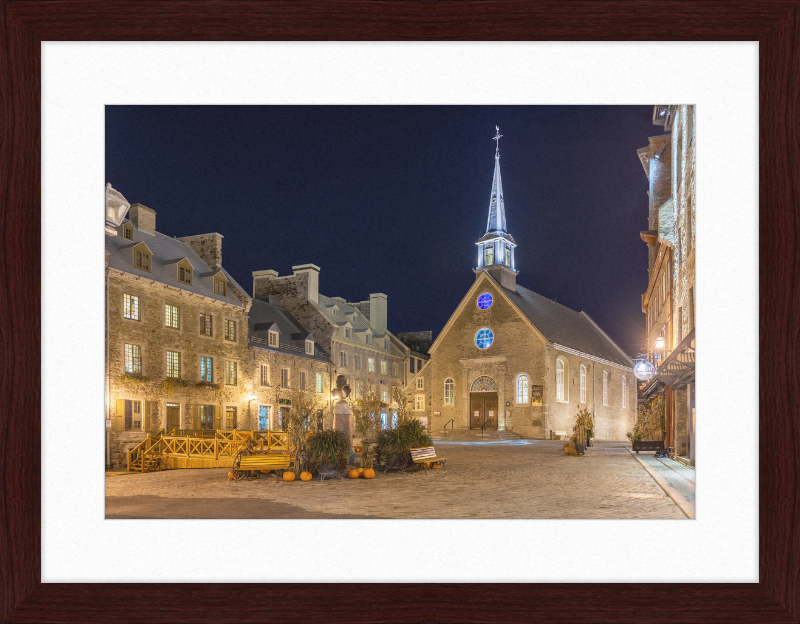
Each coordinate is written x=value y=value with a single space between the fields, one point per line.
x=423 y=420
x=537 y=392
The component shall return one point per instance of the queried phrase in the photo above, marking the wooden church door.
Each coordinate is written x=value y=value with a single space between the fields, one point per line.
x=483 y=409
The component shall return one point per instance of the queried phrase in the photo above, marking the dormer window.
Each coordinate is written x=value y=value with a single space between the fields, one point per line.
x=273 y=338
x=141 y=257
x=310 y=347
x=335 y=310
x=368 y=338
x=127 y=231
x=219 y=286
x=348 y=333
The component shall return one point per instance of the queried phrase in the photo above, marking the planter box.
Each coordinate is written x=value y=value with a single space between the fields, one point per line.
x=648 y=445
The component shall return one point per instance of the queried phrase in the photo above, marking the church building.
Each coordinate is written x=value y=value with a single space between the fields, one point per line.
x=510 y=359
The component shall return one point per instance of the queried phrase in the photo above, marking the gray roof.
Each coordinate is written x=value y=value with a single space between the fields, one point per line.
x=349 y=314
x=292 y=335
x=562 y=326
x=166 y=252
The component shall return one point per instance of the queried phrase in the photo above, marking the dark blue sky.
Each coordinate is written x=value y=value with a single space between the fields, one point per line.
x=392 y=198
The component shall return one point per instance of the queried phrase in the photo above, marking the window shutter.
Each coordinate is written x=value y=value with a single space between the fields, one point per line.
x=119 y=415
x=148 y=415
x=217 y=417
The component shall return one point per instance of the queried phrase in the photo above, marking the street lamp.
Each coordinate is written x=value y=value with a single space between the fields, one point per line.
x=660 y=343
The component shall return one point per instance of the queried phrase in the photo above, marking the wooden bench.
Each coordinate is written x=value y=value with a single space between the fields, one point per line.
x=426 y=455
x=264 y=461
x=560 y=434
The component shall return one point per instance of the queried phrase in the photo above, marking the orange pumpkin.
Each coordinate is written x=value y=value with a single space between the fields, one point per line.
x=369 y=473
x=230 y=474
x=360 y=471
x=353 y=474
x=305 y=476
x=288 y=476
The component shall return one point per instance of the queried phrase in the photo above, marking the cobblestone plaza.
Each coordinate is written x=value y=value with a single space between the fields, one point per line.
x=525 y=479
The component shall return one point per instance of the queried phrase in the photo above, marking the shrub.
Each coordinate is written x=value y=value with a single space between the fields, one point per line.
x=398 y=442
x=327 y=446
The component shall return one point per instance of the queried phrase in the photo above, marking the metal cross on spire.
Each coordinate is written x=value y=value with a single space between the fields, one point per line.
x=497 y=139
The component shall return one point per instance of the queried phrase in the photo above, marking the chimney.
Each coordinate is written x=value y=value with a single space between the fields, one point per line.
x=276 y=300
x=377 y=311
x=261 y=279
x=207 y=246
x=313 y=279
x=143 y=218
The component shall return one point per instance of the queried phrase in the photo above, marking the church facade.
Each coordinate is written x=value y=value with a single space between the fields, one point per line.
x=511 y=359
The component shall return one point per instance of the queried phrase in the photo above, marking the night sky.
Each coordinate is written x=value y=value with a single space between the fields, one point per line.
x=393 y=198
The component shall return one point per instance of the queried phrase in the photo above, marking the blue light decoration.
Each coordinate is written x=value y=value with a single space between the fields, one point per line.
x=484 y=301
x=484 y=338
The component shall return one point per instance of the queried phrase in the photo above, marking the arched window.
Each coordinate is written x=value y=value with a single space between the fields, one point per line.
x=605 y=388
x=583 y=384
x=522 y=389
x=559 y=380
x=624 y=392
x=489 y=251
x=484 y=338
x=449 y=391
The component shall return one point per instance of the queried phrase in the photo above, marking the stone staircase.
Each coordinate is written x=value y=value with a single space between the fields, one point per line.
x=473 y=435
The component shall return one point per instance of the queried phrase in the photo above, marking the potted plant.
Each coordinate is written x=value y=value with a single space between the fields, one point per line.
x=327 y=451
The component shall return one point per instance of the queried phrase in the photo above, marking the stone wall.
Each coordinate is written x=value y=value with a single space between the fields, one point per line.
x=207 y=246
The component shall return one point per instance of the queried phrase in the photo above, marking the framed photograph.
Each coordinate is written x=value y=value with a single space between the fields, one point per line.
x=144 y=571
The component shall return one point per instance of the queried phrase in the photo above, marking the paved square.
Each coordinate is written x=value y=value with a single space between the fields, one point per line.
x=497 y=479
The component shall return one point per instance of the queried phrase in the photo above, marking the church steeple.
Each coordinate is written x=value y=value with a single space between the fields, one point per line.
x=496 y=247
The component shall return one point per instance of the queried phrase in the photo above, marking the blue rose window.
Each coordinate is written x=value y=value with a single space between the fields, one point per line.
x=484 y=301
x=484 y=338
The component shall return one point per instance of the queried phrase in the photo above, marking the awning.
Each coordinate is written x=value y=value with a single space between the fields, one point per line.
x=678 y=368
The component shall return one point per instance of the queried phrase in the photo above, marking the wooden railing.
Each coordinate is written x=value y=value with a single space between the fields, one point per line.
x=224 y=445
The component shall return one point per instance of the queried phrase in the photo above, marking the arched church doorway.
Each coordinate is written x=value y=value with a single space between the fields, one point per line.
x=483 y=403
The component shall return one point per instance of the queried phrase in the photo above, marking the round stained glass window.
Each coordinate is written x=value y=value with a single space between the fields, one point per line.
x=484 y=301
x=484 y=338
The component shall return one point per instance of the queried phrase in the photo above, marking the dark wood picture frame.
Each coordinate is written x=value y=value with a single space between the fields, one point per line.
x=26 y=23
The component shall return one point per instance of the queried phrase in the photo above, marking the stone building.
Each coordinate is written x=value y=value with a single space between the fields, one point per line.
x=669 y=300
x=511 y=359
x=354 y=333
x=180 y=351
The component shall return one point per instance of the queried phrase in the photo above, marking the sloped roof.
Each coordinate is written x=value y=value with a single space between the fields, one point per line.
x=359 y=323
x=563 y=326
x=292 y=335
x=166 y=252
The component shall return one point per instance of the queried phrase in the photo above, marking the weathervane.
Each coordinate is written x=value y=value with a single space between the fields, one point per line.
x=497 y=138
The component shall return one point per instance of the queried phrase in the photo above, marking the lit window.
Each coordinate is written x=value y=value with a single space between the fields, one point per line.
x=559 y=380
x=420 y=404
x=605 y=388
x=284 y=378
x=273 y=339
x=171 y=316
x=394 y=369
x=319 y=382
x=484 y=301
x=265 y=374
x=206 y=369
x=206 y=416
x=310 y=347
x=173 y=364
x=420 y=383
x=133 y=415
x=384 y=394
x=133 y=359
x=449 y=391
x=489 y=251
x=230 y=417
x=383 y=367
x=384 y=421
x=624 y=392
x=219 y=287
x=583 y=384
x=206 y=323
x=343 y=359
x=130 y=307
x=522 y=389
x=484 y=338
x=230 y=373
x=371 y=365
x=184 y=275
x=141 y=260
x=357 y=361
x=230 y=330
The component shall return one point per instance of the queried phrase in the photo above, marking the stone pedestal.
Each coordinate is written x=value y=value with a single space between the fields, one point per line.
x=343 y=421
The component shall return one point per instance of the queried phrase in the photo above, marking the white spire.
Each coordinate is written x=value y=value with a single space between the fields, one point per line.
x=497 y=210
